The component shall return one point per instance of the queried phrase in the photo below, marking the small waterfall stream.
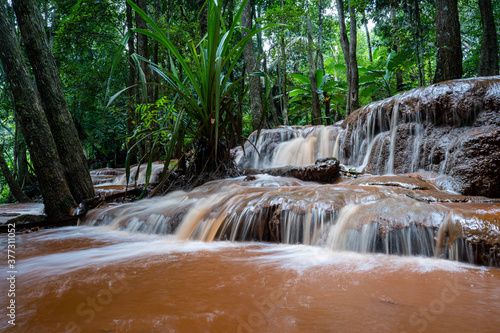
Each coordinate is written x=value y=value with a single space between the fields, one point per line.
x=276 y=254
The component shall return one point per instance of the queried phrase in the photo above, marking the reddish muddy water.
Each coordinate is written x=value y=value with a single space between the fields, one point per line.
x=82 y=279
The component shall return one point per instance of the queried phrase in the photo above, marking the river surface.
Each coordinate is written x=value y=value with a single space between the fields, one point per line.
x=93 y=279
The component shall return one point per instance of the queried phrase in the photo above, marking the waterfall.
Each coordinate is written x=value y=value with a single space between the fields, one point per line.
x=391 y=214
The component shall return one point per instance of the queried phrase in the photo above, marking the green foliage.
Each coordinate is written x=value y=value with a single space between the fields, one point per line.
x=83 y=44
x=205 y=84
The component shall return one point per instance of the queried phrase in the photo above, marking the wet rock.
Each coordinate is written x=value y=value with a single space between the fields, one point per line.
x=325 y=170
x=449 y=128
x=476 y=164
x=410 y=183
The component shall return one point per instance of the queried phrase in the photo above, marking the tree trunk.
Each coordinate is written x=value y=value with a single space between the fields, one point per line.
x=53 y=100
x=326 y=98
x=251 y=66
x=321 y=63
x=418 y=43
x=285 y=99
x=55 y=191
x=316 y=110
x=448 y=42
x=274 y=114
x=20 y=158
x=143 y=51
x=368 y=41
x=488 y=61
x=354 y=79
x=15 y=189
x=395 y=44
x=131 y=93
x=349 y=50
x=156 y=76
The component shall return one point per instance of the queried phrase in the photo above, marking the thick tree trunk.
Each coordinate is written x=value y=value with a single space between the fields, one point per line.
x=448 y=42
x=251 y=66
x=488 y=61
x=55 y=191
x=316 y=110
x=131 y=93
x=53 y=100
x=15 y=189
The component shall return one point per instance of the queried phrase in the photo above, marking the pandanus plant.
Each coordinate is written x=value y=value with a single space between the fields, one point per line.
x=205 y=86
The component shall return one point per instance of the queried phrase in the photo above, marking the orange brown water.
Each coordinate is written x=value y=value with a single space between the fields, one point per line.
x=99 y=280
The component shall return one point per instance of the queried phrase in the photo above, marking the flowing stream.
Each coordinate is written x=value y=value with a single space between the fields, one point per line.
x=84 y=279
x=397 y=249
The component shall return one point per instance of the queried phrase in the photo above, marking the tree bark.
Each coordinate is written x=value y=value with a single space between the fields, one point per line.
x=326 y=98
x=274 y=114
x=251 y=66
x=53 y=100
x=448 y=42
x=14 y=187
x=316 y=110
x=55 y=191
x=488 y=61
x=143 y=51
x=395 y=43
x=321 y=63
x=353 y=42
x=156 y=76
x=349 y=50
x=418 y=44
x=367 y=32
x=131 y=93
x=20 y=158
x=285 y=98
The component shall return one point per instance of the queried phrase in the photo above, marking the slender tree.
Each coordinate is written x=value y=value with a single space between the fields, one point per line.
x=488 y=61
x=258 y=120
x=53 y=100
x=349 y=49
x=367 y=32
x=418 y=42
x=316 y=110
x=49 y=170
x=284 y=92
x=15 y=189
x=132 y=80
x=448 y=42
x=395 y=42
